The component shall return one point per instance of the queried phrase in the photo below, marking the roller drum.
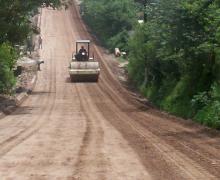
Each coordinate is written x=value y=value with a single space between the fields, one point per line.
x=84 y=65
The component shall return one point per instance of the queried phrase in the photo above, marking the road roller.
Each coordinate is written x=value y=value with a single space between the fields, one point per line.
x=83 y=67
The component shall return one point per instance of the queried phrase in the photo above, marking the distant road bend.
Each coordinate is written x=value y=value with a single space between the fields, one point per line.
x=96 y=131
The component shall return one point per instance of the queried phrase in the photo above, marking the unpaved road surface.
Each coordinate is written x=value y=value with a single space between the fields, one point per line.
x=97 y=131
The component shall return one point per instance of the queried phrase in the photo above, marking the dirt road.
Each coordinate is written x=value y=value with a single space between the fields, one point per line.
x=95 y=131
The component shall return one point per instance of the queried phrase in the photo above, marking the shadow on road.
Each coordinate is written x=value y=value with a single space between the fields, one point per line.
x=40 y=93
x=203 y=133
x=79 y=82
x=24 y=110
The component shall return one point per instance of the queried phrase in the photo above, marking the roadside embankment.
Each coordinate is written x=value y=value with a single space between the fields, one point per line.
x=25 y=72
x=9 y=103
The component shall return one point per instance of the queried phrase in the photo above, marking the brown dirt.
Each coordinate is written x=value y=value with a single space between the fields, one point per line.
x=96 y=131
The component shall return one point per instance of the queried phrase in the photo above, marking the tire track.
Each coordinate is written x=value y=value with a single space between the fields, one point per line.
x=92 y=144
x=123 y=103
x=38 y=122
x=175 y=159
x=187 y=147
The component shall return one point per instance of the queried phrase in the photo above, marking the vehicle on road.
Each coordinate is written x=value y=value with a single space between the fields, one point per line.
x=83 y=67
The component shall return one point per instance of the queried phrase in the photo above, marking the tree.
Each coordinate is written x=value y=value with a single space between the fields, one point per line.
x=110 y=20
x=15 y=16
x=14 y=29
x=180 y=53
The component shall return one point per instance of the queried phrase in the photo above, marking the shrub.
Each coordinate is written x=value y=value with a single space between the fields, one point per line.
x=7 y=62
x=110 y=20
x=175 y=57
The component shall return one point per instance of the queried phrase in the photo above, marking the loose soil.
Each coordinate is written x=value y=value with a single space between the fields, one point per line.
x=98 y=130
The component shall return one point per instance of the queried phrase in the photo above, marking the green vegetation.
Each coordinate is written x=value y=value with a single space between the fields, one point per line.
x=110 y=20
x=15 y=27
x=174 y=57
x=7 y=61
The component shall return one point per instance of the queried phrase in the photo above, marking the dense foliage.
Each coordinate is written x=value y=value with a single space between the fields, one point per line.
x=14 y=28
x=175 y=58
x=110 y=20
x=7 y=61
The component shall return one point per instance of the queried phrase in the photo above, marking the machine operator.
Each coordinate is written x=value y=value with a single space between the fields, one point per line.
x=82 y=54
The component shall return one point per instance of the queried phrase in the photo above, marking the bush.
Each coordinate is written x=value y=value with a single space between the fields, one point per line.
x=208 y=106
x=7 y=62
x=175 y=57
x=14 y=29
x=110 y=20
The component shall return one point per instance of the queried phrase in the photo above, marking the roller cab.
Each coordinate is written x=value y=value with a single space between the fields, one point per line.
x=83 y=68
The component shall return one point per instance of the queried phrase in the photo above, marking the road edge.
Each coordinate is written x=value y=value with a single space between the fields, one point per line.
x=19 y=99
